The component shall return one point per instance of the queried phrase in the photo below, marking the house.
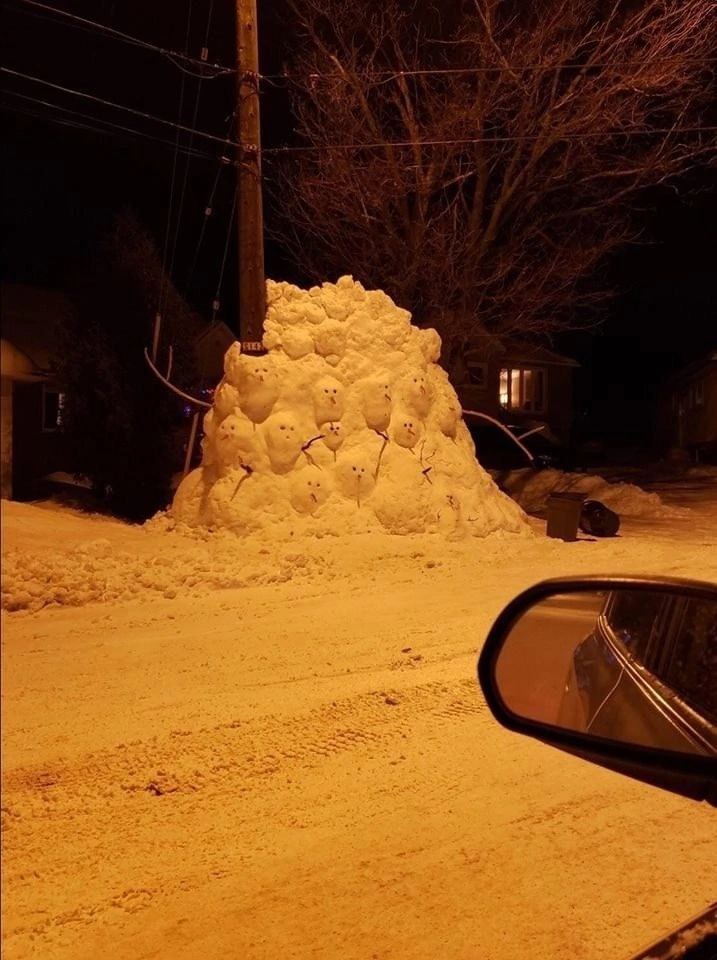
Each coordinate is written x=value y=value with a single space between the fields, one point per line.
x=32 y=399
x=209 y=348
x=687 y=418
x=518 y=383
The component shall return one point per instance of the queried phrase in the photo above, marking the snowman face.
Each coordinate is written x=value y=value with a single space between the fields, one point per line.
x=355 y=476
x=333 y=434
x=309 y=490
x=407 y=431
x=328 y=396
x=379 y=391
x=419 y=384
x=260 y=372
x=233 y=439
x=282 y=433
x=417 y=392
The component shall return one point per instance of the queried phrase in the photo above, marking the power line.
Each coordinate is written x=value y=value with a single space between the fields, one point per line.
x=646 y=131
x=208 y=209
x=119 y=106
x=131 y=132
x=164 y=280
x=176 y=57
x=216 y=303
x=467 y=71
x=371 y=145
x=172 y=55
x=195 y=115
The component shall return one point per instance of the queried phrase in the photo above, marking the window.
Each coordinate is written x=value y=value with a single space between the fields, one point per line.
x=53 y=404
x=691 y=669
x=522 y=388
x=675 y=638
x=634 y=617
x=477 y=374
x=698 y=393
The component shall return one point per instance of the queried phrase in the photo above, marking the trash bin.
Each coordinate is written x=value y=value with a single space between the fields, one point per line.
x=564 y=511
x=599 y=520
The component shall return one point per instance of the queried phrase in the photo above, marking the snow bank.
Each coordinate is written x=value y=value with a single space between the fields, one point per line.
x=347 y=424
x=531 y=491
x=55 y=556
x=96 y=571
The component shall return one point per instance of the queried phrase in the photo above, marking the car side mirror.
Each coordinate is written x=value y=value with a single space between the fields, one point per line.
x=620 y=671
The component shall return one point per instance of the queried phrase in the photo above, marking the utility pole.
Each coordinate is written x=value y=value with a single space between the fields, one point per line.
x=252 y=289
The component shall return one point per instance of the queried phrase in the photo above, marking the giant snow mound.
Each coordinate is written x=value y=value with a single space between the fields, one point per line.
x=348 y=423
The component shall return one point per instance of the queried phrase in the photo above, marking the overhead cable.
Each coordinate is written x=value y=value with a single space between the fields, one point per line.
x=118 y=106
x=130 y=131
x=172 y=55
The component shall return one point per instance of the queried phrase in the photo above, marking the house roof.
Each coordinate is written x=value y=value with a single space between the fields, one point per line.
x=30 y=317
x=217 y=331
x=695 y=368
x=517 y=351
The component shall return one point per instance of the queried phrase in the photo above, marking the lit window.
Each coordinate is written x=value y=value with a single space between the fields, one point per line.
x=53 y=405
x=504 y=392
x=699 y=393
x=522 y=389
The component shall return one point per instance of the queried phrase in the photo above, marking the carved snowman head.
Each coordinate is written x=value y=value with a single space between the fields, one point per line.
x=329 y=397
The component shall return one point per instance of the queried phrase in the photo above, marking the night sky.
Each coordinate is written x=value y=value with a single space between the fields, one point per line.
x=63 y=184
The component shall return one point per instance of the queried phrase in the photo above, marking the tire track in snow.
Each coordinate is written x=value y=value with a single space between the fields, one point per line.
x=122 y=786
x=187 y=761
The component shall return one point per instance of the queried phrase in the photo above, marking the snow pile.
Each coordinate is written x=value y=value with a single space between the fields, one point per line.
x=96 y=571
x=55 y=556
x=142 y=566
x=531 y=490
x=347 y=424
x=704 y=471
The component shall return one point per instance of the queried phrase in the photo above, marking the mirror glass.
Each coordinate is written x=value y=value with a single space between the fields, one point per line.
x=635 y=666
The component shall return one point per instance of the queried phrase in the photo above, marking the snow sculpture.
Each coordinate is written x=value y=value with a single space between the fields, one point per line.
x=258 y=386
x=347 y=424
x=376 y=401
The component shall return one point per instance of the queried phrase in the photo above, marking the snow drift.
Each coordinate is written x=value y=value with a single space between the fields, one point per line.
x=347 y=424
x=531 y=490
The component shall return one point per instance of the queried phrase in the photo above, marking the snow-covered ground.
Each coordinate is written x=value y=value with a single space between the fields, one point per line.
x=217 y=747
x=531 y=489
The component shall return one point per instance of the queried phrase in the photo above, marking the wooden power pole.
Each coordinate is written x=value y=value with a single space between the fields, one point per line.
x=252 y=290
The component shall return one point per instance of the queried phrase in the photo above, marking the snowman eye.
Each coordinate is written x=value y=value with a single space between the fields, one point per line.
x=282 y=427
x=354 y=469
x=334 y=389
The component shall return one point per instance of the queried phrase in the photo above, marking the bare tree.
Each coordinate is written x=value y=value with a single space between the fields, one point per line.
x=488 y=196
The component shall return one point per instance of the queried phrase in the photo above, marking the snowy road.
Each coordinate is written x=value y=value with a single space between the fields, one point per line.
x=306 y=769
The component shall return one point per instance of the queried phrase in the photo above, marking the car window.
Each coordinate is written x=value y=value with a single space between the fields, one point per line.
x=675 y=638
x=692 y=668
x=635 y=617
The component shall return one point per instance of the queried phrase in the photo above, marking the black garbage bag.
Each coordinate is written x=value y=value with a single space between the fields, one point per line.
x=598 y=520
